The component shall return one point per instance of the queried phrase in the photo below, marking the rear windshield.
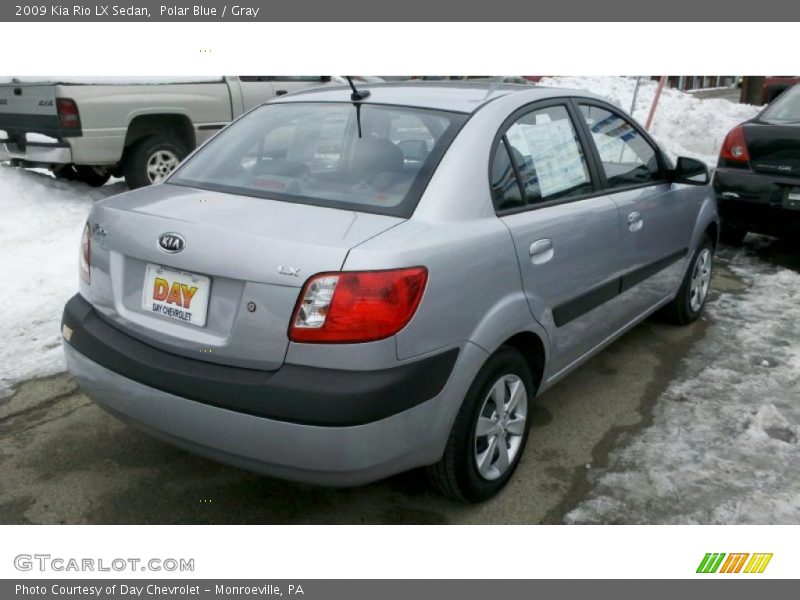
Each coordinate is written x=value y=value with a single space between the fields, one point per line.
x=786 y=109
x=369 y=158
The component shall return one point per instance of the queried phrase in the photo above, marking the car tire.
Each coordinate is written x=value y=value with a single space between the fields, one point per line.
x=732 y=235
x=460 y=473
x=691 y=298
x=151 y=159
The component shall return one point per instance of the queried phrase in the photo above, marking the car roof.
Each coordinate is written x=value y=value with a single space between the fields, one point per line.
x=455 y=96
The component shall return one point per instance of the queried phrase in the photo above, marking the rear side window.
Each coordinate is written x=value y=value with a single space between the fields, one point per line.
x=505 y=187
x=548 y=157
x=372 y=158
x=627 y=157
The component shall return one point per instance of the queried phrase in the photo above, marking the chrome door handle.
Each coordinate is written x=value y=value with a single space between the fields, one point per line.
x=541 y=251
x=635 y=221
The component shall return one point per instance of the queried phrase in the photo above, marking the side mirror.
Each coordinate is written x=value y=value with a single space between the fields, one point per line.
x=691 y=171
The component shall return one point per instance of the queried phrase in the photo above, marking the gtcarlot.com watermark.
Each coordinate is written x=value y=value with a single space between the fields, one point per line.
x=57 y=564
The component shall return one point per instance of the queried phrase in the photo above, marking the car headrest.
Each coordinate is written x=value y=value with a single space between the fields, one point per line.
x=376 y=155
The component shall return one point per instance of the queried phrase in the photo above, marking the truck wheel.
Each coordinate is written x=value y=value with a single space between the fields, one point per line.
x=150 y=160
x=94 y=176
x=67 y=172
x=490 y=431
x=691 y=298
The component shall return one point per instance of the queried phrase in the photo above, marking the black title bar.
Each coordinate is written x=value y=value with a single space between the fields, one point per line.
x=407 y=10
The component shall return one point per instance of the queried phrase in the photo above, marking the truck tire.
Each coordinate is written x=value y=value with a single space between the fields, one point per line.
x=151 y=159
x=471 y=469
x=93 y=176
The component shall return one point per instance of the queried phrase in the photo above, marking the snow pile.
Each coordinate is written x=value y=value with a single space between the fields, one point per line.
x=723 y=446
x=683 y=125
x=39 y=236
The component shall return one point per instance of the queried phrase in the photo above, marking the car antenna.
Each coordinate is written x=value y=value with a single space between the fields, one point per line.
x=492 y=88
x=357 y=96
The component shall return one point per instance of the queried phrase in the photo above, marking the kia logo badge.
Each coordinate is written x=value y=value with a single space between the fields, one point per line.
x=171 y=242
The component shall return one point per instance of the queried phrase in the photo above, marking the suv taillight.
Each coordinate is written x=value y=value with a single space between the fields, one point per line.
x=85 y=258
x=734 y=148
x=362 y=306
x=68 y=115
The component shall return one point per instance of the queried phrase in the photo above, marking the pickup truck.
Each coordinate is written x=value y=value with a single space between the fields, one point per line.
x=90 y=129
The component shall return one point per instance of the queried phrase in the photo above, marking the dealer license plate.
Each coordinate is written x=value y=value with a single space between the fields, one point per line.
x=177 y=295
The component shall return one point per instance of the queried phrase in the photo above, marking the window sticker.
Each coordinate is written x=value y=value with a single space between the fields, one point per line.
x=556 y=155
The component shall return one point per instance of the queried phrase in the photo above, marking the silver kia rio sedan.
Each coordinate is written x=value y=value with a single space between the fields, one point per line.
x=343 y=285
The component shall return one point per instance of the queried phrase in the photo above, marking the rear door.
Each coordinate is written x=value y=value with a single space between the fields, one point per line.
x=288 y=84
x=566 y=233
x=257 y=89
x=656 y=217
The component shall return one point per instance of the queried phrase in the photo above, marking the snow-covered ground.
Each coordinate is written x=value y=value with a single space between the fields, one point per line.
x=724 y=445
x=683 y=125
x=40 y=228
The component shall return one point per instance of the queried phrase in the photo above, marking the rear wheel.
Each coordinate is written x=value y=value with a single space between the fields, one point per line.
x=691 y=298
x=152 y=159
x=490 y=431
x=94 y=176
x=732 y=235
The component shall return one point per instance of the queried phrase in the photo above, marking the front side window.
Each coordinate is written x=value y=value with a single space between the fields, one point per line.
x=626 y=156
x=371 y=158
x=548 y=157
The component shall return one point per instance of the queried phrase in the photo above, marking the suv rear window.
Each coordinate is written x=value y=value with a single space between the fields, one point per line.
x=369 y=158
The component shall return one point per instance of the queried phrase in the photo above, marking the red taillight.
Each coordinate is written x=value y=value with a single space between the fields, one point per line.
x=68 y=115
x=86 y=255
x=734 y=149
x=351 y=307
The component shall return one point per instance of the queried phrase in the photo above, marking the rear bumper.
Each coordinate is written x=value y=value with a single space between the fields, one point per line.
x=293 y=393
x=36 y=154
x=302 y=450
x=755 y=201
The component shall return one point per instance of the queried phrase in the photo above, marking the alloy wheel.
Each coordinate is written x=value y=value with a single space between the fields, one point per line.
x=501 y=426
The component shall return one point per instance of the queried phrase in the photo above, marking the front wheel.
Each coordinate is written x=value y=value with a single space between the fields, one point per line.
x=691 y=298
x=490 y=431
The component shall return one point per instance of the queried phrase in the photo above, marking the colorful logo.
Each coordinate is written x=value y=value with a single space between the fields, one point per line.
x=719 y=562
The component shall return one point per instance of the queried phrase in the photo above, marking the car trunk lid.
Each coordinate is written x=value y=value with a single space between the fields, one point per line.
x=774 y=148
x=247 y=257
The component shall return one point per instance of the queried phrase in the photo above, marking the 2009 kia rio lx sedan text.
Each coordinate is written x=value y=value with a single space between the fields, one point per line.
x=343 y=285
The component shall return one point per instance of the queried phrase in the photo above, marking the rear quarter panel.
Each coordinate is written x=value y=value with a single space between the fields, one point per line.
x=107 y=110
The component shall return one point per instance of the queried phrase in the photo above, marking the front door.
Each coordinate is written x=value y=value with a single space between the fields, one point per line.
x=656 y=216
